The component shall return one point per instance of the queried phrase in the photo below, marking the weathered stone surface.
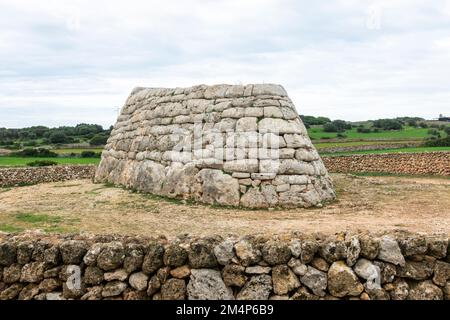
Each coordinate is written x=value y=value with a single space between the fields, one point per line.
x=257 y=288
x=441 y=273
x=111 y=256
x=370 y=272
x=390 y=251
x=438 y=246
x=119 y=274
x=49 y=285
x=32 y=272
x=73 y=251
x=175 y=256
x=298 y=267
x=416 y=270
x=153 y=260
x=247 y=253
x=370 y=247
x=177 y=145
x=24 y=252
x=29 y=292
x=315 y=280
x=113 y=288
x=284 y=280
x=233 y=275
x=207 y=284
x=173 y=289
x=134 y=257
x=320 y=264
x=224 y=252
x=93 y=275
x=413 y=246
x=201 y=255
x=342 y=281
x=258 y=270
x=425 y=290
x=138 y=281
x=8 y=253
x=276 y=252
x=333 y=250
x=400 y=291
x=11 y=292
x=12 y=273
x=91 y=255
x=181 y=272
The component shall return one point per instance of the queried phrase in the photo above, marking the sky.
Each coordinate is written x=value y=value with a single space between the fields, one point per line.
x=63 y=64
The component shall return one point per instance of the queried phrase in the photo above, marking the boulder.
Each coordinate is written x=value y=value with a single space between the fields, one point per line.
x=315 y=280
x=284 y=280
x=111 y=256
x=207 y=284
x=342 y=281
x=390 y=251
x=257 y=288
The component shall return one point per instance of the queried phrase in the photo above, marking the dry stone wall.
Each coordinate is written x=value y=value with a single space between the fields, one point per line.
x=427 y=163
x=295 y=267
x=228 y=145
x=25 y=176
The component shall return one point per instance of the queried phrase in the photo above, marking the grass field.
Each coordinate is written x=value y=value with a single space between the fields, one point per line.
x=18 y=161
x=322 y=145
x=420 y=149
x=408 y=133
x=75 y=150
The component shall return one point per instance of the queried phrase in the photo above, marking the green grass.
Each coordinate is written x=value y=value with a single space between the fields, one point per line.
x=37 y=218
x=323 y=145
x=407 y=133
x=75 y=150
x=419 y=149
x=10 y=228
x=20 y=161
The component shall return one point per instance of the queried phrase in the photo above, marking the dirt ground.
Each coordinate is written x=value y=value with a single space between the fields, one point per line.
x=372 y=204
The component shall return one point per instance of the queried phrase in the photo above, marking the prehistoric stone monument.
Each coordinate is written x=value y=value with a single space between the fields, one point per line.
x=222 y=144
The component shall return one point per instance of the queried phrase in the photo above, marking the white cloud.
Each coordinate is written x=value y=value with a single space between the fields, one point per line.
x=78 y=62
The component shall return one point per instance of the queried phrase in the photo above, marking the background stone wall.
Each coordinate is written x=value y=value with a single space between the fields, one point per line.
x=297 y=267
x=26 y=176
x=429 y=163
x=227 y=145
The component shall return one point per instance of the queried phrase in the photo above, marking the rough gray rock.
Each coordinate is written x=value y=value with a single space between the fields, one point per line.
x=153 y=260
x=368 y=271
x=416 y=270
x=425 y=290
x=113 y=288
x=73 y=251
x=138 y=281
x=257 y=288
x=134 y=257
x=207 y=284
x=247 y=253
x=111 y=256
x=315 y=280
x=93 y=275
x=224 y=252
x=201 y=255
x=173 y=289
x=276 y=252
x=32 y=272
x=8 y=253
x=233 y=275
x=390 y=251
x=370 y=247
x=12 y=273
x=441 y=273
x=175 y=256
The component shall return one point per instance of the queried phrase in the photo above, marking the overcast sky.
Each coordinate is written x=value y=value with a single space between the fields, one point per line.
x=62 y=64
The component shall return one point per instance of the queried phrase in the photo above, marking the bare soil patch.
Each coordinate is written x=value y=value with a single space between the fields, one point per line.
x=374 y=204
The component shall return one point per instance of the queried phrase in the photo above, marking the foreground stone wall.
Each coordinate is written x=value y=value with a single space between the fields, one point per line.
x=26 y=176
x=427 y=163
x=228 y=145
x=297 y=267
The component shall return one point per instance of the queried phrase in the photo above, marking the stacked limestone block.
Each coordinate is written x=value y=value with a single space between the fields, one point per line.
x=224 y=144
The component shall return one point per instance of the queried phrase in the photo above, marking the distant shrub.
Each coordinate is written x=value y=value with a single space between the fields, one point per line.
x=31 y=143
x=39 y=152
x=98 y=140
x=90 y=154
x=363 y=130
x=447 y=130
x=341 y=136
x=443 y=142
x=41 y=163
x=434 y=132
x=423 y=125
x=388 y=124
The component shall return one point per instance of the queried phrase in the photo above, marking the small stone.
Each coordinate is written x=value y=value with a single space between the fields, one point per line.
x=173 y=289
x=233 y=275
x=333 y=250
x=49 y=285
x=29 y=292
x=276 y=252
x=134 y=257
x=416 y=270
x=437 y=247
x=224 y=252
x=8 y=253
x=414 y=245
x=284 y=280
x=52 y=257
x=303 y=294
x=138 y=281
x=257 y=288
x=367 y=270
x=388 y=271
x=342 y=281
x=207 y=284
x=24 y=252
x=153 y=285
x=32 y=272
x=93 y=275
x=113 y=288
x=90 y=258
x=370 y=247
x=309 y=249
x=175 y=256
x=258 y=270
x=111 y=256
x=320 y=264
x=390 y=251
x=11 y=274
x=297 y=267
x=353 y=249
x=315 y=280
x=153 y=260
x=246 y=253
x=425 y=290
x=401 y=290
x=54 y=296
x=11 y=292
x=73 y=251
x=201 y=255
x=181 y=272
x=119 y=274
x=52 y=273
x=441 y=273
